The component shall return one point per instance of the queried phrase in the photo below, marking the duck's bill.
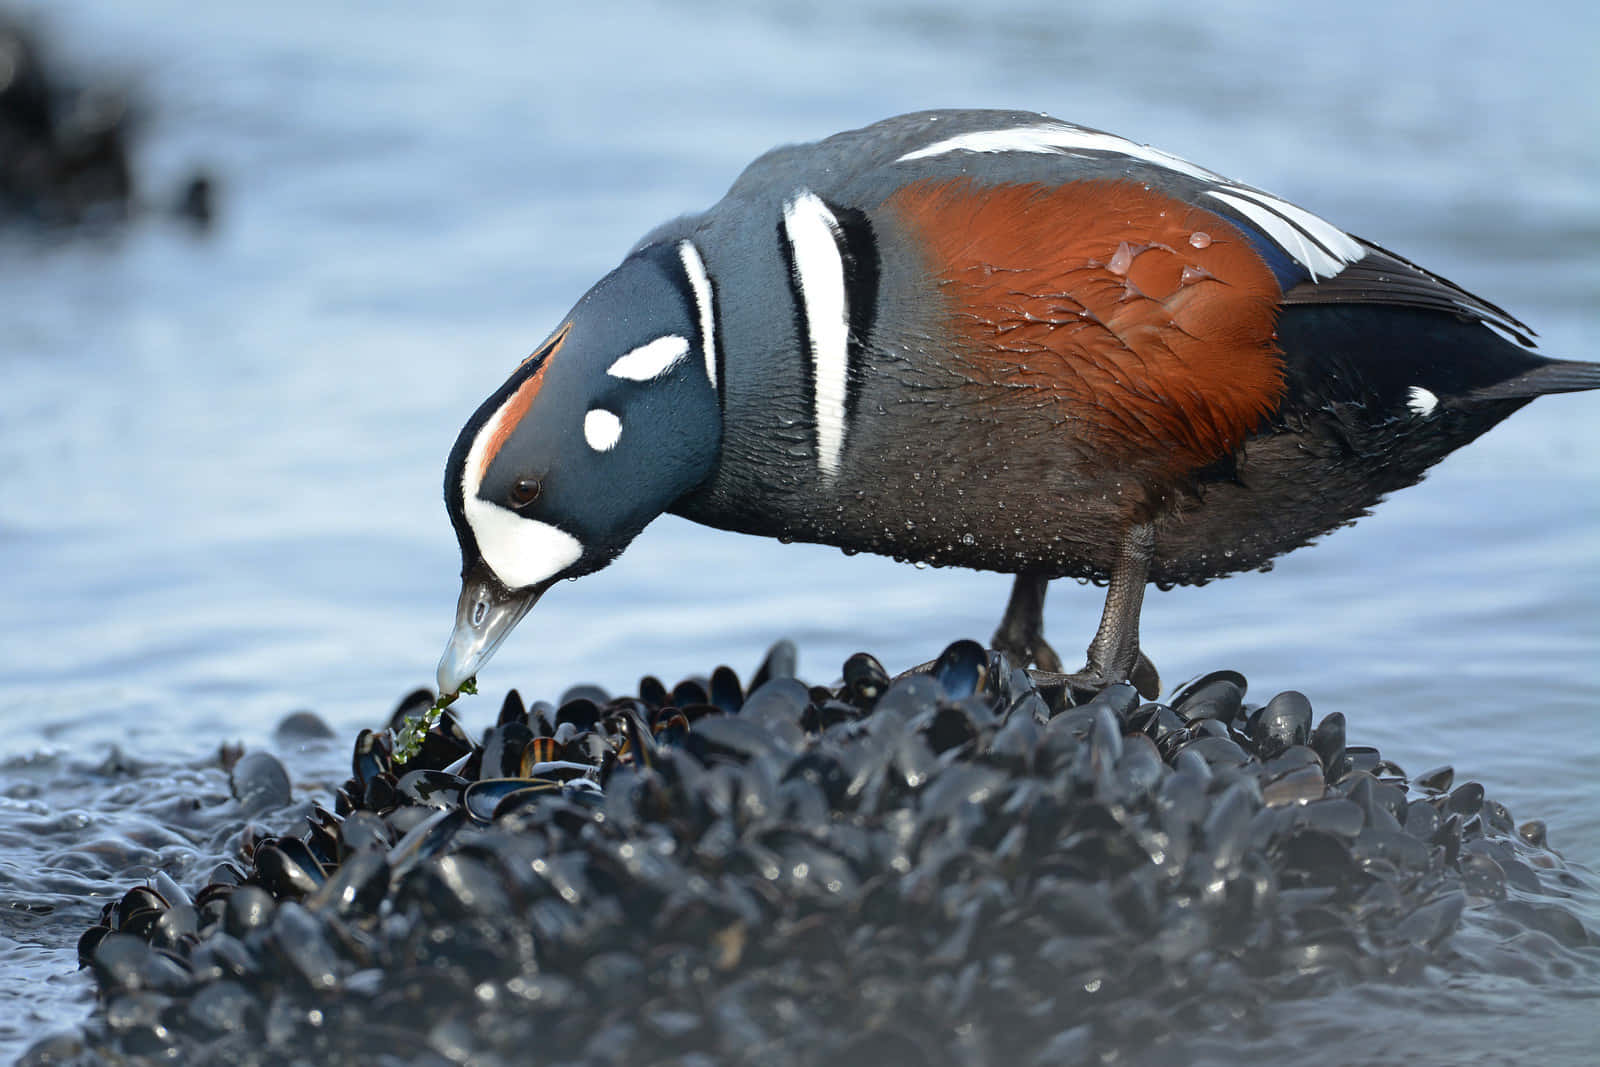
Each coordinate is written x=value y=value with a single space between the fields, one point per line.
x=485 y=615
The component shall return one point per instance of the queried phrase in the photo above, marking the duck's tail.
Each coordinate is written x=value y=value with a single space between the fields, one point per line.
x=1556 y=376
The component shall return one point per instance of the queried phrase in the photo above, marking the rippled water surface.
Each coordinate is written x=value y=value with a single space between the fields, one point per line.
x=220 y=455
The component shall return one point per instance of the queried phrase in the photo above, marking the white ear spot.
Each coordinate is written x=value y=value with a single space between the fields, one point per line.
x=601 y=429
x=651 y=361
x=1421 y=402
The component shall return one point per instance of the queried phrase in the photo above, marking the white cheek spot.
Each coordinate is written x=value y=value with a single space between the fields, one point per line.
x=1421 y=402
x=601 y=429
x=651 y=361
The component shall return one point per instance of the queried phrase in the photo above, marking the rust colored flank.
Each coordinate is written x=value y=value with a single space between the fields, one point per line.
x=1150 y=319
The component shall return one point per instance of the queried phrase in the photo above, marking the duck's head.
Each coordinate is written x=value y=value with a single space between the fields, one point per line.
x=609 y=421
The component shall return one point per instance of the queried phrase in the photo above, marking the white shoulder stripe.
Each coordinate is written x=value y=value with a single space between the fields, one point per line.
x=814 y=238
x=700 y=282
x=651 y=361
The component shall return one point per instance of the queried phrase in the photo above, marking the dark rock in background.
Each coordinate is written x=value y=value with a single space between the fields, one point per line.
x=66 y=145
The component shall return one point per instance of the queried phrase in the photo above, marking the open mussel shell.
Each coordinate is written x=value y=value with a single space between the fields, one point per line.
x=483 y=798
x=865 y=680
x=286 y=867
x=502 y=751
x=434 y=789
x=962 y=669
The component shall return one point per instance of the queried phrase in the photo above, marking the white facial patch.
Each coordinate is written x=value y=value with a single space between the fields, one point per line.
x=651 y=361
x=1421 y=402
x=519 y=550
x=814 y=239
x=700 y=282
x=1316 y=244
x=602 y=429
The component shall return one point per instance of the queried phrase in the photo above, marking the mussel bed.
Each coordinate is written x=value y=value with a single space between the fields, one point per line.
x=954 y=867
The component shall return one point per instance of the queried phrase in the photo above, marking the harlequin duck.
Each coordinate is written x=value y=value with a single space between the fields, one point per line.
x=987 y=339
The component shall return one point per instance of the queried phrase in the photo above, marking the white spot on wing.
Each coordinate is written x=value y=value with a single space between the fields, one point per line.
x=602 y=429
x=1421 y=402
x=700 y=282
x=814 y=237
x=521 y=551
x=652 y=360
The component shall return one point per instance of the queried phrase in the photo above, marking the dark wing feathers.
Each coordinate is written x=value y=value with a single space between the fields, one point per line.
x=1381 y=277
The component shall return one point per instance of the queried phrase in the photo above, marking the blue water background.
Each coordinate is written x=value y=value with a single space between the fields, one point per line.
x=220 y=457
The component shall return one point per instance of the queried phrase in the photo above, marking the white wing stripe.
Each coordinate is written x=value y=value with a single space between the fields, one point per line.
x=1325 y=233
x=1291 y=240
x=814 y=237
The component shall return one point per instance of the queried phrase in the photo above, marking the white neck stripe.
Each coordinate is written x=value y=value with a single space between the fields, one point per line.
x=650 y=361
x=700 y=282
x=814 y=238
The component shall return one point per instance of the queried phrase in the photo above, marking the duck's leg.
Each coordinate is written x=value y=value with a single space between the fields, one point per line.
x=1021 y=632
x=1114 y=654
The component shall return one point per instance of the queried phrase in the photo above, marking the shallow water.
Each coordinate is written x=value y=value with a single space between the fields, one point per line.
x=219 y=470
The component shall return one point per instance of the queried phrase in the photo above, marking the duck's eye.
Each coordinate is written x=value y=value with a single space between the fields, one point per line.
x=525 y=491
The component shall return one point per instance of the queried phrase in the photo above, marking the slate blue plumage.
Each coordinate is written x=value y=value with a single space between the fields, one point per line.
x=984 y=339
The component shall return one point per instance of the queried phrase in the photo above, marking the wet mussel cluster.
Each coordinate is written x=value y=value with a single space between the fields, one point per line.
x=957 y=866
